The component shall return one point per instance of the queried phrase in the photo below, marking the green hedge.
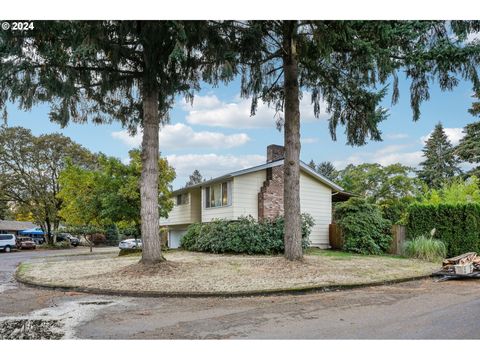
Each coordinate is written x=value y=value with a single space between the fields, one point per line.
x=458 y=226
x=245 y=235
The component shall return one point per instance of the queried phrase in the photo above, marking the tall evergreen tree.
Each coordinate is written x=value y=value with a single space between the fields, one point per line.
x=105 y=71
x=475 y=109
x=327 y=169
x=441 y=163
x=346 y=65
x=195 y=178
x=468 y=148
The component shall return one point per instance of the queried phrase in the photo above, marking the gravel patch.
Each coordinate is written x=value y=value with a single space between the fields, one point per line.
x=187 y=272
x=55 y=322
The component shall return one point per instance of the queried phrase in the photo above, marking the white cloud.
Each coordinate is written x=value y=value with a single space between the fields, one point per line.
x=202 y=102
x=177 y=136
x=212 y=165
x=385 y=156
x=309 y=140
x=453 y=134
x=405 y=154
x=125 y=137
x=209 y=110
x=407 y=158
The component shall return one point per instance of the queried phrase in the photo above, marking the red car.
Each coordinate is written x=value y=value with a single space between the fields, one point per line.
x=25 y=243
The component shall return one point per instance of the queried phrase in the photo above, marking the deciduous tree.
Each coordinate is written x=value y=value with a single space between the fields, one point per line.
x=110 y=193
x=30 y=167
x=391 y=187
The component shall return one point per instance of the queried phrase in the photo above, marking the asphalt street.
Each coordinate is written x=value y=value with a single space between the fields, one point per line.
x=415 y=310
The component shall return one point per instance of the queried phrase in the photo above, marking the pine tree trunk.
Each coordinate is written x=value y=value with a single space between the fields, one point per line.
x=152 y=251
x=291 y=197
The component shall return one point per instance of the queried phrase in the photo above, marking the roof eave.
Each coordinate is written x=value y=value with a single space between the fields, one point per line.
x=303 y=166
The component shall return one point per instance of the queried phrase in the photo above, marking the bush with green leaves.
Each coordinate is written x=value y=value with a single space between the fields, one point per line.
x=425 y=248
x=245 y=235
x=364 y=229
x=457 y=225
x=57 y=245
x=456 y=191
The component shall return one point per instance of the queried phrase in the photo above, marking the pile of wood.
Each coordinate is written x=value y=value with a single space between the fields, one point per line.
x=464 y=259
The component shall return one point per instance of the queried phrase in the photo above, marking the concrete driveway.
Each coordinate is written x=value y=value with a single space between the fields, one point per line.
x=415 y=310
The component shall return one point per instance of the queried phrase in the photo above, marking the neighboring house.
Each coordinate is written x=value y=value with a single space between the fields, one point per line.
x=14 y=227
x=256 y=191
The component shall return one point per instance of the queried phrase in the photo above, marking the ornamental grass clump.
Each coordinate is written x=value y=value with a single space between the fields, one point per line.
x=425 y=248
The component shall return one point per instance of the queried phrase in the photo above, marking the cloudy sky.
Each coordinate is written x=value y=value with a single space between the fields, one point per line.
x=217 y=134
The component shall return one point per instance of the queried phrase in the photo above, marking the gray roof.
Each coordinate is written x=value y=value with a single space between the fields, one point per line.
x=16 y=225
x=303 y=167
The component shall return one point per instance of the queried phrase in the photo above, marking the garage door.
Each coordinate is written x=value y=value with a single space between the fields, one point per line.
x=174 y=238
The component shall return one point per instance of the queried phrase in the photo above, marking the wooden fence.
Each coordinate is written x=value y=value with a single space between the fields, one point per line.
x=336 y=236
x=398 y=238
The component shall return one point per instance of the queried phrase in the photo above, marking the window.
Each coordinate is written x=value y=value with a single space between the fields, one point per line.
x=217 y=195
x=182 y=199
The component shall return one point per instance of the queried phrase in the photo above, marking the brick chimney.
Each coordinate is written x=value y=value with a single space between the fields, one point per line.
x=275 y=152
x=270 y=197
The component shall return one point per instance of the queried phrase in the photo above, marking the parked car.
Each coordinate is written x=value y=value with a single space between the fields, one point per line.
x=130 y=244
x=38 y=240
x=24 y=242
x=8 y=242
x=74 y=241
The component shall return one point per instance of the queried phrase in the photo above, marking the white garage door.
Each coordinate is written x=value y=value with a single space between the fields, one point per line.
x=174 y=238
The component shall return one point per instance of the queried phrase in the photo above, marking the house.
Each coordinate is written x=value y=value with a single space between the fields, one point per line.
x=14 y=227
x=256 y=191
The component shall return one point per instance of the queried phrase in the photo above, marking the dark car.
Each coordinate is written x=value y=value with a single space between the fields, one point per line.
x=24 y=242
x=74 y=241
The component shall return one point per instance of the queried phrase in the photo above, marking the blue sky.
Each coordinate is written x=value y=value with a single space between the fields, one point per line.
x=218 y=135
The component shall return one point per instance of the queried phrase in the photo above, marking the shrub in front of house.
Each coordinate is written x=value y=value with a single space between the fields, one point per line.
x=364 y=229
x=242 y=236
x=457 y=225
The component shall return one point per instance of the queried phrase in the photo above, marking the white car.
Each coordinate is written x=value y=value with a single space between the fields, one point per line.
x=8 y=242
x=130 y=244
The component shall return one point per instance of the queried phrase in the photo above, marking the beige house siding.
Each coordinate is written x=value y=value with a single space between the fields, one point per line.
x=196 y=205
x=316 y=199
x=223 y=212
x=245 y=193
x=184 y=214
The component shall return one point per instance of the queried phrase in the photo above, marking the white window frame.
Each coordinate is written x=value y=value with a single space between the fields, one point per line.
x=207 y=191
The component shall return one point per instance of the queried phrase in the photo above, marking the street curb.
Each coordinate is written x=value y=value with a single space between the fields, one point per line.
x=160 y=294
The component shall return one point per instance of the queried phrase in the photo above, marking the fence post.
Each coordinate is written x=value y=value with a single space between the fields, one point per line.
x=398 y=238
